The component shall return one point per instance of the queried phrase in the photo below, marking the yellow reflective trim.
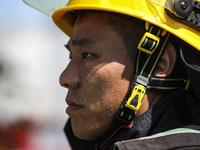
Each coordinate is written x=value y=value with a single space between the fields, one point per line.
x=139 y=91
x=187 y=85
x=129 y=118
x=122 y=113
x=153 y=45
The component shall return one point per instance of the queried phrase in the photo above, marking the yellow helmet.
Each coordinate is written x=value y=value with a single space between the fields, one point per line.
x=152 y=11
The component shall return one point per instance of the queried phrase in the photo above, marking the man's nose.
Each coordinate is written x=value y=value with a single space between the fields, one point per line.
x=69 y=78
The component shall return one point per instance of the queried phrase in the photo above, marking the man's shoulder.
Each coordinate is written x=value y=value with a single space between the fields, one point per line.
x=187 y=138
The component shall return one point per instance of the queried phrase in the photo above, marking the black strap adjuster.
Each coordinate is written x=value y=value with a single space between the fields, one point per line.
x=125 y=115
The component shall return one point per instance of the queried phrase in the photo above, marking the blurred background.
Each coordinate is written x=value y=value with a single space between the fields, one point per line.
x=32 y=56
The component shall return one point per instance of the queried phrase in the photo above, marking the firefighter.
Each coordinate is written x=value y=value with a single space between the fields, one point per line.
x=132 y=78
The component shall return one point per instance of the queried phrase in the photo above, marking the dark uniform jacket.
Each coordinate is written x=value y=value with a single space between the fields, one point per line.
x=178 y=111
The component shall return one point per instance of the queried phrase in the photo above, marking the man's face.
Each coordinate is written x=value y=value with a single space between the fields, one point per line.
x=97 y=77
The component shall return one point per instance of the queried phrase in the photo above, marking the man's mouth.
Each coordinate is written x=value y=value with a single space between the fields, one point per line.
x=72 y=106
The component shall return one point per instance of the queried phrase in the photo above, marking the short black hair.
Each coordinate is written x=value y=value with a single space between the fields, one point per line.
x=123 y=25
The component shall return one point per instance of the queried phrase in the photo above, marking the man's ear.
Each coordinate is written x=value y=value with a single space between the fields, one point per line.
x=167 y=61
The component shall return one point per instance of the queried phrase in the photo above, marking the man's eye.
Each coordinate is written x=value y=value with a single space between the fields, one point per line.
x=86 y=55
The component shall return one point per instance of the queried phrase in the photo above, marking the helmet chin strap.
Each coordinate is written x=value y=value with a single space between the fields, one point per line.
x=150 y=49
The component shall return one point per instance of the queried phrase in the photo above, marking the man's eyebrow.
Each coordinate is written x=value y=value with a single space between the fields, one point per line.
x=82 y=42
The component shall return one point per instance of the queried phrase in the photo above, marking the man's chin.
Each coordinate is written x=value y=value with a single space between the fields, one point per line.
x=84 y=134
x=88 y=129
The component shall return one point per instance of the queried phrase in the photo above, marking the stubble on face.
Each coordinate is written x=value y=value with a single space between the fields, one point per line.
x=104 y=80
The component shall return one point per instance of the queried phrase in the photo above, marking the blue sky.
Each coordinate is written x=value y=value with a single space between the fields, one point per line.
x=17 y=11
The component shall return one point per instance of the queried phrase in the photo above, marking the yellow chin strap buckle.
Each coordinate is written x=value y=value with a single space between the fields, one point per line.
x=135 y=100
x=148 y=43
x=130 y=107
x=137 y=95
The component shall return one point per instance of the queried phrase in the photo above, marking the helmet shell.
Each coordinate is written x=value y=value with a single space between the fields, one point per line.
x=141 y=9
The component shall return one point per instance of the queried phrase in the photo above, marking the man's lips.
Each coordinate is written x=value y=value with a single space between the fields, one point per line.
x=72 y=106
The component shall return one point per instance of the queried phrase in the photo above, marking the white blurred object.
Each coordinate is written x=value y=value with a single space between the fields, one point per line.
x=47 y=6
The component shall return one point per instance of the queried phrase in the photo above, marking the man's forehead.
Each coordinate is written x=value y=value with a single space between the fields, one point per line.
x=101 y=17
x=88 y=13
